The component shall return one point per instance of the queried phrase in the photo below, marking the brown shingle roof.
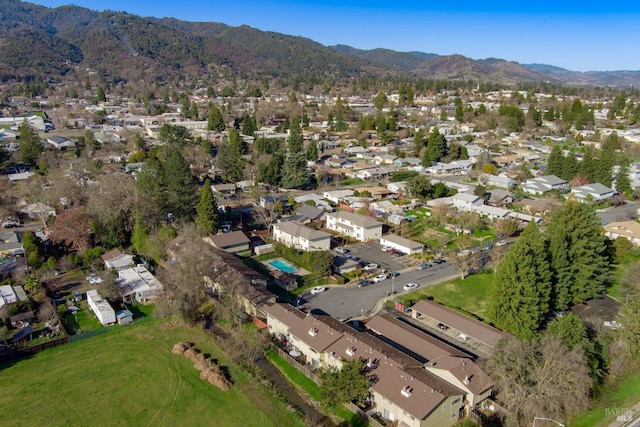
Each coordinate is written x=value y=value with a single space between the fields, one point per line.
x=229 y=239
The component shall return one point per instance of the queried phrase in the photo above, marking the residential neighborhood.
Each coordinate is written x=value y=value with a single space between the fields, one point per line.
x=391 y=252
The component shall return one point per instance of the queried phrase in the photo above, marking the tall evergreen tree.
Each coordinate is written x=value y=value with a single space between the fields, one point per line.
x=556 y=162
x=139 y=234
x=569 y=167
x=249 y=126
x=623 y=183
x=150 y=200
x=589 y=167
x=312 y=152
x=207 y=215
x=229 y=161
x=30 y=145
x=587 y=252
x=178 y=186
x=419 y=141
x=604 y=168
x=295 y=141
x=215 y=121
x=558 y=247
x=522 y=286
x=436 y=148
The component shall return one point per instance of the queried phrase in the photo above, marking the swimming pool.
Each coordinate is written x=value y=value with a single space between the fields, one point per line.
x=283 y=266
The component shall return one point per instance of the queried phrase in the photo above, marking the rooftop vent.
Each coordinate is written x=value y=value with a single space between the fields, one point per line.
x=313 y=332
x=466 y=380
x=351 y=351
x=406 y=392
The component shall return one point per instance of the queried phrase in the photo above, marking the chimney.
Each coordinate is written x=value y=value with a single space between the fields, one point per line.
x=466 y=380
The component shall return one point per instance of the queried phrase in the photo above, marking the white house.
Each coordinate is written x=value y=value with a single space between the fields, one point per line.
x=138 y=284
x=359 y=227
x=466 y=201
x=60 y=142
x=544 y=184
x=297 y=235
x=103 y=310
x=401 y=244
x=594 y=192
x=337 y=196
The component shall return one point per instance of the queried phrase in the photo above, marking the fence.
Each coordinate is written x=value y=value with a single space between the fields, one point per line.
x=370 y=420
x=299 y=366
x=88 y=334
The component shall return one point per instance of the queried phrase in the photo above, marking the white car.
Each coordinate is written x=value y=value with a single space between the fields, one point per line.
x=94 y=279
x=370 y=267
x=386 y=248
x=380 y=277
x=317 y=290
x=342 y=250
x=502 y=243
x=410 y=286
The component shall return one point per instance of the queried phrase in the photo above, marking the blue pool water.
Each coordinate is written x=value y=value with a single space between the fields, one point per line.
x=283 y=266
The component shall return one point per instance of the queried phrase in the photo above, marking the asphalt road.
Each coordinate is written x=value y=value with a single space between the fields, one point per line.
x=344 y=302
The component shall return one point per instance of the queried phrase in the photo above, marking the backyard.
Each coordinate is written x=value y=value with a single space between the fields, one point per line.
x=128 y=376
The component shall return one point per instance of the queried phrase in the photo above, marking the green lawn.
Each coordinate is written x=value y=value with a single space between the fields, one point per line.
x=83 y=321
x=623 y=394
x=298 y=379
x=469 y=295
x=128 y=376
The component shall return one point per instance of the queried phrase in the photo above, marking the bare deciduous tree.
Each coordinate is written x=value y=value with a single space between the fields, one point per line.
x=540 y=378
x=72 y=227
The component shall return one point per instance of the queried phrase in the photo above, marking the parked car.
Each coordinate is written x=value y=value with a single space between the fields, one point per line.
x=502 y=243
x=94 y=279
x=10 y=224
x=439 y=261
x=395 y=273
x=424 y=265
x=364 y=282
x=410 y=286
x=386 y=248
x=380 y=277
x=370 y=267
x=317 y=290
x=342 y=250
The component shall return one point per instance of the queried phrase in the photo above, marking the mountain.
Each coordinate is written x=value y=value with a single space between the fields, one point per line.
x=50 y=43
x=620 y=79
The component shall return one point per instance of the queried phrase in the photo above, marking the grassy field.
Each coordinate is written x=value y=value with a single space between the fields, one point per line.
x=470 y=295
x=128 y=376
x=622 y=394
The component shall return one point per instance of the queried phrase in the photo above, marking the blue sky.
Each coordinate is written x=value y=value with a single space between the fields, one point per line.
x=577 y=35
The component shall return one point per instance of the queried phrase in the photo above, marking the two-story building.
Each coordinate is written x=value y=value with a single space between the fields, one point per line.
x=296 y=235
x=359 y=227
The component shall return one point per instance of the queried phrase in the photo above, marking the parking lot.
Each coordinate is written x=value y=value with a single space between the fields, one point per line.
x=372 y=253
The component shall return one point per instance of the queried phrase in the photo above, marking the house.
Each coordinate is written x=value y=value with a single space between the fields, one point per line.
x=592 y=192
x=11 y=295
x=375 y=173
x=544 y=184
x=232 y=242
x=497 y=181
x=102 y=309
x=224 y=190
x=343 y=265
x=385 y=208
x=491 y=212
x=307 y=214
x=245 y=186
x=466 y=201
x=60 y=142
x=480 y=336
x=629 y=230
x=336 y=197
x=384 y=159
x=124 y=317
x=117 y=259
x=10 y=244
x=401 y=244
x=499 y=198
x=37 y=210
x=306 y=199
x=357 y=226
x=139 y=285
x=296 y=235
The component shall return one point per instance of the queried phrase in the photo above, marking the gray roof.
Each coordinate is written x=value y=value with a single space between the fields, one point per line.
x=357 y=219
x=295 y=228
